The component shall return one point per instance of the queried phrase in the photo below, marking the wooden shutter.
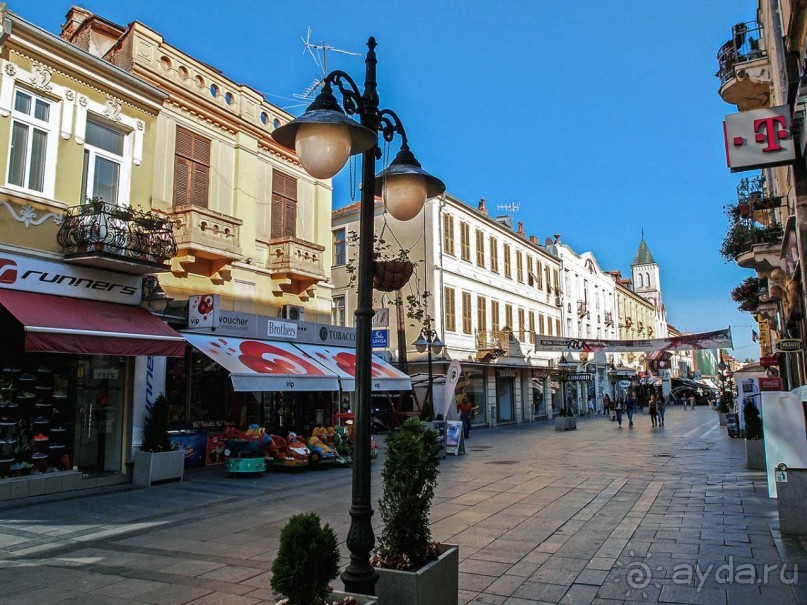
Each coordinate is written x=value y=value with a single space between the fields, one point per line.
x=191 y=168
x=284 y=205
x=466 y=312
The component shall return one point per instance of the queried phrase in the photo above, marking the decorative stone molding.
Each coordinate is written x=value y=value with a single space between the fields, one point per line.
x=41 y=77
x=28 y=215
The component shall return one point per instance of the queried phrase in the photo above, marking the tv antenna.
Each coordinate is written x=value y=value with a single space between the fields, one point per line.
x=511 y=208
x=319 y=53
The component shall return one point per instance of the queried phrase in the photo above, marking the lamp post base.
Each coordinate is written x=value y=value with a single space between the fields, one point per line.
x=359 y=576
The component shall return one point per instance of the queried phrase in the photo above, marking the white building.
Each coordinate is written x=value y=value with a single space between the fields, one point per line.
x=492 y=289
x=589 y=310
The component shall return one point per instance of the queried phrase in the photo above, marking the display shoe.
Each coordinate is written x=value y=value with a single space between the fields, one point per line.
x=27 y=378
x=40 y=438
x=26 y=395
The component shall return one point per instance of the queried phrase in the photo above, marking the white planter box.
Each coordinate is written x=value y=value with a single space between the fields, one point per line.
x=337 y=595
x=158 y=466
x=434 y=584
x=755 y=455
x=565 y=423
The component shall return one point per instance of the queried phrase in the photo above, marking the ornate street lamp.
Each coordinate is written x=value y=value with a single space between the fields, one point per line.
x=324 y=138
x=429 y=341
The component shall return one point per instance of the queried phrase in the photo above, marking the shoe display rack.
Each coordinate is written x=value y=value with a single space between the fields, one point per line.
x=35 y=420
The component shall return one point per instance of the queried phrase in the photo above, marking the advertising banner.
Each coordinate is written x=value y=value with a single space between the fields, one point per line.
x=718 y=339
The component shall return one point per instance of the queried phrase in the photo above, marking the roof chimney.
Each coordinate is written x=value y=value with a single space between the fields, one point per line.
x=481 y=208
x=521 y=229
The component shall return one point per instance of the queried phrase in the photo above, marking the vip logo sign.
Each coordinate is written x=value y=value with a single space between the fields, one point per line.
x=758 y=138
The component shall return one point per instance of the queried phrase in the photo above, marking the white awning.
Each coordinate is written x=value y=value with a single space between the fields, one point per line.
x=342 y=362
x=265 y=365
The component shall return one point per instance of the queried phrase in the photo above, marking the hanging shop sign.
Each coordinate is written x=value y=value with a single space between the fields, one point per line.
x=203 y=311
x=47 y=277
x=787 y=345
x=759 y=138
x=380 y=338
x=718 y=339
x=580 y=377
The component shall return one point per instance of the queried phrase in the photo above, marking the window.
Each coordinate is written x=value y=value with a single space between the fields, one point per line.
x=103 y=160
x=521 y=326
x=548 y=278
x=339 y=247
x=466 y=312
x=284 y=205
x=451 y=310
x=530 y=272
x=549 y=326
x=465 y=241
x=480 y=248
x=508 y=316
x=494 y=315
x=448 y=234
x=541 y=327
x=557 y=327
x=31 y=132
x=481 y=313
x=532 y=326
x=338 y=311
x=507 y=272
x=519 y=266
x=494 y=255
x=191 y=169
x=557 y=284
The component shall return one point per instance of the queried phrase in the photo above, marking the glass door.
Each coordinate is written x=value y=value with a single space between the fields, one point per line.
x=99 y=426
x=504 y=399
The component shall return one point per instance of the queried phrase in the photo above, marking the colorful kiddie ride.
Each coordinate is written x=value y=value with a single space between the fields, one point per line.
x=290 y=453
x=246 y=450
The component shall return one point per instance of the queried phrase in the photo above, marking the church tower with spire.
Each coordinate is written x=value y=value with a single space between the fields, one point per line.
x=647 y=284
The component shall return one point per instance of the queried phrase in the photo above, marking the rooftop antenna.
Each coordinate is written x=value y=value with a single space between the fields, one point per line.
x=511 y=208
x=319 y=53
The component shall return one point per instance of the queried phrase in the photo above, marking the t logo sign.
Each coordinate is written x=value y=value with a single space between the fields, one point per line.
x=768 y=129
x=759 y=138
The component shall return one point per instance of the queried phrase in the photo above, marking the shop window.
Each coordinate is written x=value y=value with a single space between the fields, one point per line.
x=104 y=174
x=191 y=169
x=284 y=205
x=32 y=162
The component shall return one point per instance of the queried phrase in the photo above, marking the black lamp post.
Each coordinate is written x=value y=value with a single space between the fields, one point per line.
x=429 y=341
x=324 y=138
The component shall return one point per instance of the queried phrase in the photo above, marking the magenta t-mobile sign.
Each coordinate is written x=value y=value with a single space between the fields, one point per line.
x=759 y=138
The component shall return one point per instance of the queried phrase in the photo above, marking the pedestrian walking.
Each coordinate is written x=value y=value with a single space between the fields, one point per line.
x=590 y=405
x=465 y=409
x=653 y=411
x=618 y=410
x=630 y=407
x=661 y=405
x=606 y=404
x=691 y=401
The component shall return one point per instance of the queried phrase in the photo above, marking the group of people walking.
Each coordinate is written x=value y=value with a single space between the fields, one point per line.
x=627 y=407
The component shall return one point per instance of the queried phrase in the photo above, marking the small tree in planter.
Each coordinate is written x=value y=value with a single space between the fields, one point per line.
x=156 y=461
x=754 y=444
x=413 y=569
x=307 y=561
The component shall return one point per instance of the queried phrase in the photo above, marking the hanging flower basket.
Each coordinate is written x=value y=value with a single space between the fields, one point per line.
x=391 y=275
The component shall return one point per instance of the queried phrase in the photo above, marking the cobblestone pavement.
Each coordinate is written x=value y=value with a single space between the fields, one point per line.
x=597 y=515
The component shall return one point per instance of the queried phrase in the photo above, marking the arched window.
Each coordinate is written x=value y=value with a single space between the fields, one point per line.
x=639 y=276
x=647 y=279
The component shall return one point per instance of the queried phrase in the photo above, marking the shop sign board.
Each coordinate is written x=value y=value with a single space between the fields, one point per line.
x=47 y=277
x=787 y=345
x=579 y=377
x=767 y=361
x=380 y=339
x=759 y=138
x=770 y=384
x=381 y=318
x=203 y=311
x=624 y=384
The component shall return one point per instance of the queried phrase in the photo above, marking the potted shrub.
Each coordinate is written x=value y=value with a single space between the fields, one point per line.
x=412 y=569
x=156 y=461
x=307 y=562
x=754 y=444
x=565 y=420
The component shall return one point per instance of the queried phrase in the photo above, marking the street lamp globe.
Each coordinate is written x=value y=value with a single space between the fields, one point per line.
x=323 y=149
x=421 y=344
x=437 y=345
x=405 y=196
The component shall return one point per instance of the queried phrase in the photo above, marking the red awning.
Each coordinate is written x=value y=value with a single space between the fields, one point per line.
x=70 y=325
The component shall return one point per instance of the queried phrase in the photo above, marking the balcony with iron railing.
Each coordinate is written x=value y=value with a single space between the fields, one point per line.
x=754 y=237
x=744 y=68
x=491 y=344
x=295 y=265
x=117 y=238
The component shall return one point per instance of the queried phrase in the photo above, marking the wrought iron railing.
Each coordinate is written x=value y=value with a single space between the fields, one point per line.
x=743 y=46
x=109 y=229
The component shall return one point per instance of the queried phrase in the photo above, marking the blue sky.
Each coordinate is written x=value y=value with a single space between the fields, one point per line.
x=600 y=119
